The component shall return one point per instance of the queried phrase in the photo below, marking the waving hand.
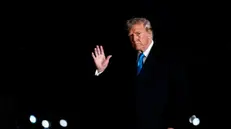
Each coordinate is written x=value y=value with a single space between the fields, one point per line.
x=101 y=61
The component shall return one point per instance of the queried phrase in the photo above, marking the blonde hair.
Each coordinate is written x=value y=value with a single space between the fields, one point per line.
x=141 y=20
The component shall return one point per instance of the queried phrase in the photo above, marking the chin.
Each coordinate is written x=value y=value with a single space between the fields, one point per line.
x=138 y=49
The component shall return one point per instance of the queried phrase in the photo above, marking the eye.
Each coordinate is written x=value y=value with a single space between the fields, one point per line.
x=137 y=33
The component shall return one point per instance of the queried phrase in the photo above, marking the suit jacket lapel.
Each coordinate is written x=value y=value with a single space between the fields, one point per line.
x=150 y=60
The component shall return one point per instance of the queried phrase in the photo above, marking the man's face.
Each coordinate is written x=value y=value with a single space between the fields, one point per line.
x=140 y=37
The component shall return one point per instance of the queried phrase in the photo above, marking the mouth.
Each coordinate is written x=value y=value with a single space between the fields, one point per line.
x=137 y=44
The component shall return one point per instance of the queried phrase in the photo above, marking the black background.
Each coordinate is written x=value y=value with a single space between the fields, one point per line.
x=47 y=58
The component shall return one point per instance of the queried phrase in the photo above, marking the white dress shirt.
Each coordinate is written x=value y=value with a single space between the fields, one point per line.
x=146 y=52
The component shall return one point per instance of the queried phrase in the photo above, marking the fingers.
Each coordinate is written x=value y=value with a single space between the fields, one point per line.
x=93 y=55
x=98 y=51
x=101 y=50
x=108 y=57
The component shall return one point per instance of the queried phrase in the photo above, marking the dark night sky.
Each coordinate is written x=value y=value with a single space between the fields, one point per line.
x=51 y=45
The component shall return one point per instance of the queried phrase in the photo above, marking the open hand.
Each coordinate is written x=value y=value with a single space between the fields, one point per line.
x=101 y=62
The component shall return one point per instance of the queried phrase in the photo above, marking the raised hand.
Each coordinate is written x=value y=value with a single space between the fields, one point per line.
x=101 y=62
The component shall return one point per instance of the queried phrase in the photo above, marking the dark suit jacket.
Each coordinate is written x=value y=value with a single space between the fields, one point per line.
x=154 y=99
x=161 y=93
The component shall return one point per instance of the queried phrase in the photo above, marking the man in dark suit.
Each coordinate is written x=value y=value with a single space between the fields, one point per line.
x=152 y=96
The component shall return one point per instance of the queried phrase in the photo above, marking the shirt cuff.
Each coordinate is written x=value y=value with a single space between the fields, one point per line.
x=97 y=73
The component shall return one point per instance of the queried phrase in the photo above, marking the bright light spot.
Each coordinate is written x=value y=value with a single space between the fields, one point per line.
x=45 y=124
x=63 y=123
x=32 y=119
x=196 y=121
x=191 y=118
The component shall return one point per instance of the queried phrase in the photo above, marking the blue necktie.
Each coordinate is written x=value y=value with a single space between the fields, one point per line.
x=140 y=63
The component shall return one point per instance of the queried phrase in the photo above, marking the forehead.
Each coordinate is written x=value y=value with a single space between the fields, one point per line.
x=137 y=27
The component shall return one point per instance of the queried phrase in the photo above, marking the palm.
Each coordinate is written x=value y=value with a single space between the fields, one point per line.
x=101 y=62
